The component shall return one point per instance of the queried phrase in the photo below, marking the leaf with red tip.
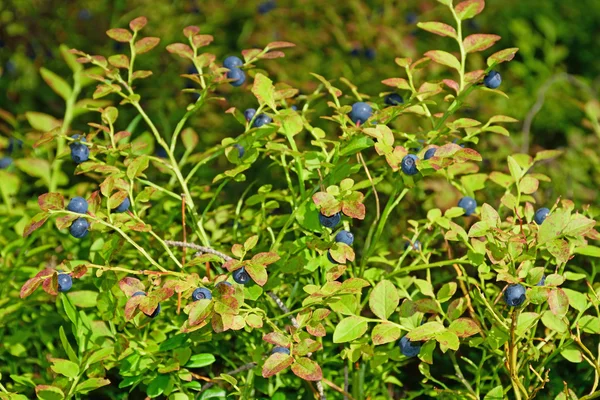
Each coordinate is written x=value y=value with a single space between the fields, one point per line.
x=131 y=306
x=130 y=285
x=182 y=50
x=479 y=42
x=307 y=346
x=35 y=222
x=438 y=28
x=464 y=327
x=468 y=9
x=307 y=369
x=354 y=209
x=190 y=31
x=138 y=23
x=258 y=273
x=50 y=285
x=280 y=45
x=276 y=363
x=202 y=40
x=502 y=56
x=120 y=35
x=278 y=339
x=272 y=55
x=119 y=61
x=451 y=84
x=199 y=311
x=233 y=264
x=265 y=258
x=79 y=271
x=399 y=83
x=51 y=201
x=162 y=293
x=249 y=54
x=146 y=44
x=444 y=58
x=32 y=284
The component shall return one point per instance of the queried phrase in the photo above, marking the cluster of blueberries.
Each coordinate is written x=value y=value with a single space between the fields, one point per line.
x=369 y=53
x=342 y=236
x=235 y=73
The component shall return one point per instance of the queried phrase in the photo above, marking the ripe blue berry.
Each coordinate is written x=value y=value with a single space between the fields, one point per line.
x=514 y=295
x=232 y=62
x=79 y=152
x=345 y=237
x=393 y=99
x=161 y=152
x=370 y=53
x=201 y=293
x=492 y=80
x=429 y=153
x=262 y=119
x=540 y=215
x=5 y=162
x=361 y=112
x=266 y=6
x=14 y=144
x=355 y=52
x=78 y=205
x=249 y=114
x=79 y=228
x=241 y=150
x=408 y=348
x=124 y=206
x=409 y=164
x=238 y=76
x=415 y=246
x=330 y=222
x=240 y=276
x=138 y=294
x=468 y=204
x=279 y=349
x=65 y=282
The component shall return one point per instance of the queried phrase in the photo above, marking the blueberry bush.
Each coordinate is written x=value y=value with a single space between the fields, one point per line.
x=319 y=240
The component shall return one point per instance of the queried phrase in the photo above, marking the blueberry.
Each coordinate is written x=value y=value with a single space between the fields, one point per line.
x=468 y=204
x=330 y=222
x=429 y=153
x=161 y=152
x=455 y=141
x=415 y=246
x=331 y=260
x=279 y=349
x=65 y=282
x=266 y=6
x=240 y=276
x=542 y=281
x=84 y=14
x=393 y=99
x=492 y=80
x=355 y=52
x=409 y=164
x=201 y=293
x=370 y=53
x=294 y=108
x=540 y=215
x=361 y=112
x=514 y=295
x=262 y=119
x=408 y=348
x=77 y=138
x=79 y=152
x=79 y=228
x=78 y=205
x=249 y=114
x=192 y=68
x=5 y=162
x=232 y=62
x=238 y=76
x=124 y=206
x=345 y=237
x=411 y=18
x=241 y=150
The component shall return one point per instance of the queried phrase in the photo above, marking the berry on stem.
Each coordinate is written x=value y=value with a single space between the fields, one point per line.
x=492 y=80
x=393 y=99
x=238 y=76
x=262 y=119
x=361 y=112
x=65 y=282
x=79 y=228
x=201 y=293
x=344 y=237
x=249 y=114
x=415 y=246
x=331 y=221
x=124 y=206
x=79 y=152
x=280 y=349
x=541 y=215
x=408 y=348
x=429 y=153
x=156 y=310
x=78 y=205
x=232 y=62
x=514 y=295
x=468 y=204
x=240 y=276
x=409 y=164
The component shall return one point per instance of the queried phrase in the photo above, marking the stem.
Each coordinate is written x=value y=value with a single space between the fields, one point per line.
x=463 y=54
x=299 y=168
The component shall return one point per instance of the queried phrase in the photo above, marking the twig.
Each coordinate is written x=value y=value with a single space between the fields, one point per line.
x=362 y=161
x=283 y=308
x=243 y=368
x=200 y=249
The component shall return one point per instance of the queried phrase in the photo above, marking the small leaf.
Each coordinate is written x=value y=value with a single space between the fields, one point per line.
x=137 y=167
x=502 y=56
x=479 y=42
x=182 y=50
x=385 y=333
x=91 y=384
x=65 y=367
x=427 y=331
x=279 y=45
x=138 y=23
x=558 y=302
x=276 y=363
x=146 y=44
x=307 y=369
x=119 y=61
x=58 y=84
x=264 y=91
x=438 y=28
x=468 y=9
x=51 y=201
x=35 y=222
x=444 y=58
x=349 y=329
x=384 y=299
x=464 y=327
x=120 y=35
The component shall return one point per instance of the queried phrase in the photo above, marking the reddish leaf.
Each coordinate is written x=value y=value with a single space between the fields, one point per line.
x=316 y=329
x=354 y=209
x=37 y=221
x=148 y=304
x=280 y=45
x=502 y=56
x=65 y=221
x=265 y=258
x=250 y=54
x=479 y=42
x=468 y=9
x=50 y=285
x=258 y=273
x=306 y=346
x=119 y=61
x=116 y=199
x=32 y=284
x=146 y=44
x=464 y=327
x=306 y=368
x=131 y=306
x=558 y=302
x=444 y=58
x=278 y=339
x=202 y=40
x=190 y=31
x=138 y=23
x=199 y=311
x=120 y=35
x=438 y=28
x=131 y=285
x=79 y=271
x=451 y=84
x=141 y=74
x=122 y=134
x=474 y=76
x=276 y=363
x=399 y=83
x=273 y=54
x=51 y=201
x=182 y=50
x=233 y=264
x=385 y=333
x=162 y=293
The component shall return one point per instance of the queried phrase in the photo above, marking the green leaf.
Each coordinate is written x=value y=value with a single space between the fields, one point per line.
x=468 y=9
x=553 y=322
x=438 y=28
x=479 y=42
x=69 y=310
x=577 y=300
x=137 y=167
x=264 y=91
x=120 y=35
x=424 y=287
x=58 y=84
x=67 y=346
x=35 y=167
x=590 y=251
x=502 y=56
x=355 y=145
x=553 y=225
x=276 y=363
x=572 y=353
x=291 y=122
x=157 y=386
x=589 y=324
x=83 y=298
x=100 y=355
x=70 y=59
x=46 y=392
x=447 y=340
x=446 y=292
x=495 y=394
x=385 y=333
x=65 y=367
x=464 y=327
x=51 y=201
x=146 y=44
x=41 y=122
x=444 y=58
x=384 y=299
x=349 y=329
x=200 y=360
x=427 y=331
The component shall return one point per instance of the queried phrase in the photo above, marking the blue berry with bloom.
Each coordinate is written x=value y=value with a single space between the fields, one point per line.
x=240 y=276
x=124 y=206
x=280 y=349
x=249 y=114
x=5 y=162
x=232 y=62
x=429 y=153
x=514 y=295
x=393 y=99
x=65 y=282
x=541 y=215
x=78 y=205
x=79 y=228
x=409 y=164
x=492 y=80
x=262 y=119
x=408 y=348
x=201 y=293
x=79 y=152
x=344 y=237
x=238 y=77
x=361 y=112
x=468 y=204
x=331 y=221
